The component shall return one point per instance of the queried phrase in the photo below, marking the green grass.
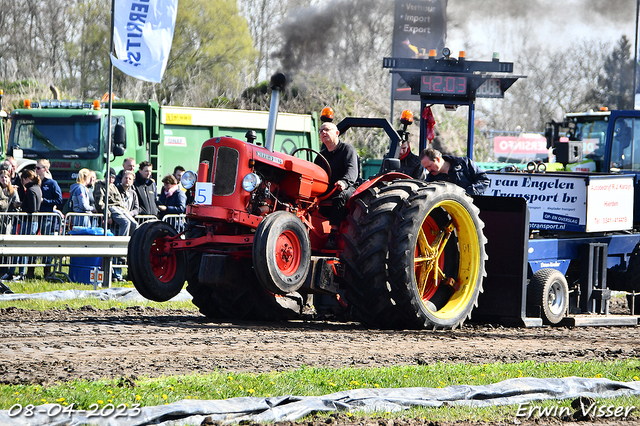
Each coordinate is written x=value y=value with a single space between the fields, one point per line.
x=320 y=381
x=307 y=381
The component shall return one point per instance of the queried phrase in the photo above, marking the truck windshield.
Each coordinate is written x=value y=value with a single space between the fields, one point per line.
x=593 y=135
x=624 y=155
x=56 y=137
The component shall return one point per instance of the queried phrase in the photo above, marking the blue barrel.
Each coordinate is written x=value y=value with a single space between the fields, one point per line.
x=80 y=267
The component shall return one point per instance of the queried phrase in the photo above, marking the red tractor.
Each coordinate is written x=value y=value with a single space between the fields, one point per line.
x=410 y=254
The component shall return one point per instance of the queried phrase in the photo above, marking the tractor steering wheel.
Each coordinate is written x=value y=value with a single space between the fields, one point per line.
x=309 y=150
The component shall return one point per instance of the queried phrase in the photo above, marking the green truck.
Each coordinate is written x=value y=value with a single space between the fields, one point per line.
x=73 y=134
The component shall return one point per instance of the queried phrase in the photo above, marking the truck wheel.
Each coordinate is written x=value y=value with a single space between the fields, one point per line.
x=157 y=272
x=437 y=257
x=203 y=296
x=548 y=289
x=366 y=253
x=281 y=252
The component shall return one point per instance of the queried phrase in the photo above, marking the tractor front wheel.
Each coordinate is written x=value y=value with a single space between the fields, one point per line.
x=157 y=272
x=281 y=252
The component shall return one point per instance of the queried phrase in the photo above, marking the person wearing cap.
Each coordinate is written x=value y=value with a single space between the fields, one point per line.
x=118 y=213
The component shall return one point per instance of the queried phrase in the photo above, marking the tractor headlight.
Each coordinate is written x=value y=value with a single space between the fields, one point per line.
x=188 y=179
x=251 y=182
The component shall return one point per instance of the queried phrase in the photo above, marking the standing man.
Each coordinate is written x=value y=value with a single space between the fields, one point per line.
x=343 y=160
x=51 y=201
x=409 y=162
x=459 y=170
x=177 y=173
x=145 y=187
x=51 y=192
x=127 y=164
x=118 y=213
x=128 y=194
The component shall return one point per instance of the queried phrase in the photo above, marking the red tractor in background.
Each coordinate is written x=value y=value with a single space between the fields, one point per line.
x=410 y=254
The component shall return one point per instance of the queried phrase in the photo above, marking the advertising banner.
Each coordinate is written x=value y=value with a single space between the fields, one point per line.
x=523 y=146
x=420 y=25
x=565 y=202
x=142 y=35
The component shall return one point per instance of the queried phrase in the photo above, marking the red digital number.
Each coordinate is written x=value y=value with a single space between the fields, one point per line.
x=449 y=85
x=437 y=85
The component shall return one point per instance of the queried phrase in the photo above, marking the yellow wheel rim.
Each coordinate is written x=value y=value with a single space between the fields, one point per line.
x=429 y=259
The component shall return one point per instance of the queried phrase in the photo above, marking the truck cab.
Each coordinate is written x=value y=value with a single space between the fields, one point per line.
x=72 y=135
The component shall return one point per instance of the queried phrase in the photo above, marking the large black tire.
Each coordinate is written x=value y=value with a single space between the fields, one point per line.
x=203 y=295
x=157 y=272
x=249 y=300
x=281 y=252
x=632 y=280
x=437 y=256
x=548 y=289
x=632 y=276
x=246 y=300
x=366 y=254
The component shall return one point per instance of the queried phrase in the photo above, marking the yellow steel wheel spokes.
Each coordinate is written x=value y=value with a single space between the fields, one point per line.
x=429 y=259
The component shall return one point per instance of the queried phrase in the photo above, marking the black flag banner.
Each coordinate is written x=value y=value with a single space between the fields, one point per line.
x=420 y=26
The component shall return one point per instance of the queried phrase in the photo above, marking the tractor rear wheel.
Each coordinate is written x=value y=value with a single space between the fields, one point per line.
x=548 y=289
x=366 y=253
x=437 y=256
x=632 y=280
x=281 y=252
x=248 y=300
x=157 y=272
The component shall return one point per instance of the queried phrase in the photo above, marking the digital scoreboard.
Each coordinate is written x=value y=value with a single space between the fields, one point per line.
x=449 y=85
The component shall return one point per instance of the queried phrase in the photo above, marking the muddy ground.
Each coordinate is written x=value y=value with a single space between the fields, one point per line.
x=60 y=345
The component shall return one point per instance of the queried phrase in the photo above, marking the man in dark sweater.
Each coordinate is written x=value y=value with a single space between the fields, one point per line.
x=459 y=170
x=343 y=160
x=410 y=162
x=145 y=187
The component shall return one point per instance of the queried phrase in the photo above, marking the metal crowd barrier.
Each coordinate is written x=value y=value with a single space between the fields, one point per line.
x=48 y=240
x=18 y=223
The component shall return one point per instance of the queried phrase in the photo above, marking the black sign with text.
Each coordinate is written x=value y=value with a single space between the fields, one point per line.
x=420 y=26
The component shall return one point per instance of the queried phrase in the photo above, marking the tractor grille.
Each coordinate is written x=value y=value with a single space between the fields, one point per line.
x=226 y=171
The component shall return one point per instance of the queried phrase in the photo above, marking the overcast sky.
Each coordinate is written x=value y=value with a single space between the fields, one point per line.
x=487 y=26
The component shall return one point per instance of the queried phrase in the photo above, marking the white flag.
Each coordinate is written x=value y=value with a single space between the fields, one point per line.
x=142 y=34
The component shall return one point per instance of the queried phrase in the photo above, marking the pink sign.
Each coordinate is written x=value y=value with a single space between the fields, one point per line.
x=523 y=144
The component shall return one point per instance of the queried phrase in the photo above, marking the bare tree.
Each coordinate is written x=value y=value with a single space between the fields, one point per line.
x=554 y=85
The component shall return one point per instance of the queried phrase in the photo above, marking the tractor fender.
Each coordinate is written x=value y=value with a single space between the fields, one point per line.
x=387 y=177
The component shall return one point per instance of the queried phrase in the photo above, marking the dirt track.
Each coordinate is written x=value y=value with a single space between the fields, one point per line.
x=59 y=345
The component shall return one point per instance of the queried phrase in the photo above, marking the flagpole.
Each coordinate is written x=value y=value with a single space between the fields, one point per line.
x=106 y=262
x=636 y=91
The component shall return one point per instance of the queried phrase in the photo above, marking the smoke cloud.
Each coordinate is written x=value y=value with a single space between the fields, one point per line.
x=306 y=35
x=571 y=12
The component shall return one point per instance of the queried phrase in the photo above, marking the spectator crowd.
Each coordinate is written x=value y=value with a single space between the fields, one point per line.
x=131 y=195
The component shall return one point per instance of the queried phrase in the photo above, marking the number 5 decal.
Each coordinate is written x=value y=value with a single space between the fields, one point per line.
x=204 y=193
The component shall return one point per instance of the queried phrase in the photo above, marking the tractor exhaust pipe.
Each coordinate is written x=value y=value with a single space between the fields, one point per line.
x=278 y=82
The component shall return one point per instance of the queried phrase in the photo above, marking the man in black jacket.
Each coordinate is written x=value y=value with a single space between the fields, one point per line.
x=459 y=170
x=409 y=162
x=145 y=187
x=343 y=160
